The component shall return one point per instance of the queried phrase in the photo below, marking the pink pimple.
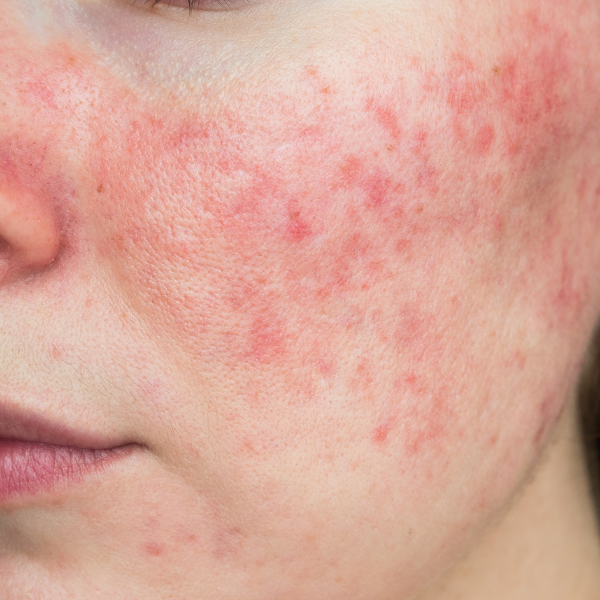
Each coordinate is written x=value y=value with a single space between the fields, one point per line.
x=380 y=433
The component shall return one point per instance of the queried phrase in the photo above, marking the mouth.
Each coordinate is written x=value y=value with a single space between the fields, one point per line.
x=29 y=468
x=38 y=455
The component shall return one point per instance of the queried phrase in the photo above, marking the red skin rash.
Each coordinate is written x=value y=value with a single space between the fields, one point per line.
x=275 y=227
x=339 y=271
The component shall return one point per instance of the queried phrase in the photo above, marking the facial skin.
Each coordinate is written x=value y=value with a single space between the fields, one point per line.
x=332 y=265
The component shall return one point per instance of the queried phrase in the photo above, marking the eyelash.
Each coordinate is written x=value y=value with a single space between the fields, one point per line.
x=196 y=4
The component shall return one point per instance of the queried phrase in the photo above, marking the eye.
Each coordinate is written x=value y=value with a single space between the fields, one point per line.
x=214 y=5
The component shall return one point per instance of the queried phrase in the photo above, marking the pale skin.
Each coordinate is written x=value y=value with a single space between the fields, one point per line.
x=332 y=266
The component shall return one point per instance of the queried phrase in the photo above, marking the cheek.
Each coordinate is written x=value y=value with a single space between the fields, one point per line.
x=369 y=275
x=363 y=244
x=359 y=243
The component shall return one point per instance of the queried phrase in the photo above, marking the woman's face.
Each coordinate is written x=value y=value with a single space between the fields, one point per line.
x=331 y=265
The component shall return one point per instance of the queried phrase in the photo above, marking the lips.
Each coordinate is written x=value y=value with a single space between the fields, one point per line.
x=38 y=455
x=28 y=468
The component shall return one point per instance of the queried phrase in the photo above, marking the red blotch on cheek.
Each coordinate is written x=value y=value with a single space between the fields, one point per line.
x=484 y=138
x=267 y=338
x=297 y=228
x=380 y=433
x=154 y=549
x=386 y=117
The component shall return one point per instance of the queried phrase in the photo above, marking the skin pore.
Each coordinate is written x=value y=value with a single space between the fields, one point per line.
x=333 y=266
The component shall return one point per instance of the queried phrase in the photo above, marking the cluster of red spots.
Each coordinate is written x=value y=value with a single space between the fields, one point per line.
x=426 y=411
x=427 y=422
x=320 y=84
x=364 y=378
x=261 y=326
x=418 y=417
x=527 y=95
x=269 y=228
x=43 y=92
x=571 y=292
x=266 y=337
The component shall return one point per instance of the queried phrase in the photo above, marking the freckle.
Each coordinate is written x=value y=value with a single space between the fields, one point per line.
x=100 y=188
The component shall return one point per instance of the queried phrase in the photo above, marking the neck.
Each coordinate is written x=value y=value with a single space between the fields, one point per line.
x=547 y=545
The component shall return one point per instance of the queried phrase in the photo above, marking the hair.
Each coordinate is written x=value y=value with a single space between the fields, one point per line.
x=589 y=411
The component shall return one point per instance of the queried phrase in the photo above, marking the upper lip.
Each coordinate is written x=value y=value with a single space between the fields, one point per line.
x=18 y=423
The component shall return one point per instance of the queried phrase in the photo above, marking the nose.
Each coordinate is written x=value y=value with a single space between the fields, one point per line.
x=29 y=232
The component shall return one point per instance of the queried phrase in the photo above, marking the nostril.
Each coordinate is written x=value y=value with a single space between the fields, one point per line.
x=29 y=233
x=36 y=241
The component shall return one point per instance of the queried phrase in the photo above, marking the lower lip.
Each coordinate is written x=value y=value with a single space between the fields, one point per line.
x=29 y=468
